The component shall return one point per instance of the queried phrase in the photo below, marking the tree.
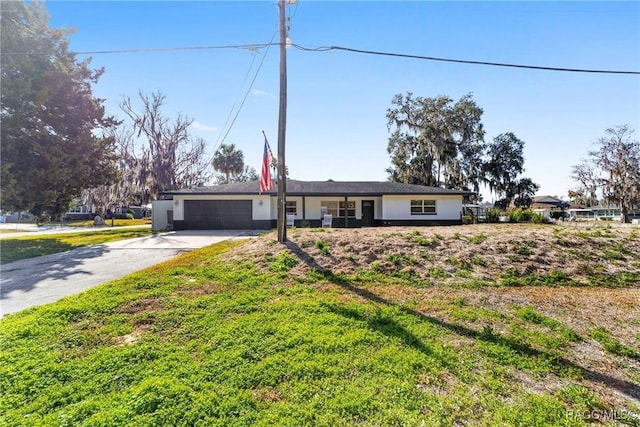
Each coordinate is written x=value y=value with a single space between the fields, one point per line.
x=618 y=157
x=134 y=179
x=586 y=175
x=171 y=157
x=435 y=141
x=248 y=174
x=525 y=189
x=229 y=161
x=50 y=146
x=504 y=162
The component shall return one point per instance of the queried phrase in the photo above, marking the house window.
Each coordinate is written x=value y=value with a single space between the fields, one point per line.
x=337 y=208
x=423 y=207
x=79 y=209
x=291 y=207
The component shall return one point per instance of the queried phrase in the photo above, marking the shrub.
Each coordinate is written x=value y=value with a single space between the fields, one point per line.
x=305 y=224
x=526 y=215
x=539 y=218
x=116 y=216
x=467 y=219
x=493 y=215
x=129 y=215
x=514 y=215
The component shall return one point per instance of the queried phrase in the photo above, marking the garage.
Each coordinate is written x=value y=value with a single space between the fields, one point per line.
x=217 y=214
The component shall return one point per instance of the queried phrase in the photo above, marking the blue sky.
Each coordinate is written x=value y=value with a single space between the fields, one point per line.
x=337 y=101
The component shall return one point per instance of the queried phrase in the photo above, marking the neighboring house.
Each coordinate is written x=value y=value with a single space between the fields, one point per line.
x=580 y=214
x=352 y=204
x=605 y=213
x=79 y=212
x=14 y=217
x=85 y=212
x=548 y=202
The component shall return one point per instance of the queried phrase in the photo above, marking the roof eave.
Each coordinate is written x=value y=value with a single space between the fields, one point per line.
x=319 y=194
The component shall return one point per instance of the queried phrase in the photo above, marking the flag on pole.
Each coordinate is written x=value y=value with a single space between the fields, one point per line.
x=265 y=177
x=272 y=158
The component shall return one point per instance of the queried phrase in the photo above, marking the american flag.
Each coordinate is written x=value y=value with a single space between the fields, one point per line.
x=265 y=177
x=272 y=158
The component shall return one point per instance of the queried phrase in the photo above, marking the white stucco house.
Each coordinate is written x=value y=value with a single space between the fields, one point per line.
x=352 y=204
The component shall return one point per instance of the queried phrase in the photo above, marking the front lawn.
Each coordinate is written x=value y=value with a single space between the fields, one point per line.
x=108 y=222
x=14 y=249
x=264 y=334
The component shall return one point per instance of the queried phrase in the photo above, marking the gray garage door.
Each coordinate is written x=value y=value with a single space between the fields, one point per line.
x=217 y=214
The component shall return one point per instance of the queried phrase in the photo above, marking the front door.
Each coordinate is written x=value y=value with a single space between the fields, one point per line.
x=367 y=213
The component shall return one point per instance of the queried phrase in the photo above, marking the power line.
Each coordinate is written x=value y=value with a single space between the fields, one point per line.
x=257 y=46
x=152 y=49
x=245 y=96
x=462 y=61
x=233 y=107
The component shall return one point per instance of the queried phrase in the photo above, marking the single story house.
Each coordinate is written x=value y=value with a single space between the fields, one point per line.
x=549 y=203
x=606 y=213
x=351 y=204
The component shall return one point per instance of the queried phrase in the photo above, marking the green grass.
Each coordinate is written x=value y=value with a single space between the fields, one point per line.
x=323 y=246
x=116 y=222
x=207 y=339
x=612 y=345
x=14 y=249
x=512 y=277
x=479 y=238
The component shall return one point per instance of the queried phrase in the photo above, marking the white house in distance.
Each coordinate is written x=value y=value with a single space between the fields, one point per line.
x=351 y=204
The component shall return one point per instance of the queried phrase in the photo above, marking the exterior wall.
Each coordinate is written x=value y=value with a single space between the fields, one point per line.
x=160 y=214
x=398 y=208
x=613 y=214
x=545 y=212
x=274 y=206
x=312 y=206
x=261 y=206
x=388 y=210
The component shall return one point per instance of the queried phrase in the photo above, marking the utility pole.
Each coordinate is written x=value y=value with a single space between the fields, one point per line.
x=282 y=127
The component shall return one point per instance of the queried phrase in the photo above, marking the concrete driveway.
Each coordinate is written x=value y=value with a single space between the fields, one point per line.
x=46 y=279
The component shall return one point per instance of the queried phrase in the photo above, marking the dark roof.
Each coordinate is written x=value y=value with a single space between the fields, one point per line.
x=322 y=188
x=546 y=199
x=549 y=200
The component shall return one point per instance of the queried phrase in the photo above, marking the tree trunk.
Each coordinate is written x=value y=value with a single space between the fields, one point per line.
x=624 y=213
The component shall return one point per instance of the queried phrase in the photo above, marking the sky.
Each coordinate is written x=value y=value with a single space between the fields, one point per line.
x=337 y=101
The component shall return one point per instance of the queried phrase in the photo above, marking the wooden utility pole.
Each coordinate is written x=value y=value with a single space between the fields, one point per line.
x=282 y=127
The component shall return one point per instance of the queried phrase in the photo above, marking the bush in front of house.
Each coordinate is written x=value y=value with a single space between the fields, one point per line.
x=539 y=218
x=128 y=215
x=493 y=215
x=514 y=215
x=526 y=215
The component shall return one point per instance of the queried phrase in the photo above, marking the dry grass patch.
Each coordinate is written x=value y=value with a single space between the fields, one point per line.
x=478 y=277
